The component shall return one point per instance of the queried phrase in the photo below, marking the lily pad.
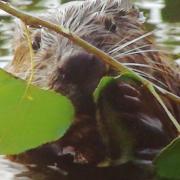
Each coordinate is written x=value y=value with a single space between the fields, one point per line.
x=167 y=164
x=30 y=118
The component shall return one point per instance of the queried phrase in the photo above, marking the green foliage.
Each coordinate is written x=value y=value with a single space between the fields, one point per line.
x=167 y=164
x=29 y=118
x=106 y=80
x=102 y=84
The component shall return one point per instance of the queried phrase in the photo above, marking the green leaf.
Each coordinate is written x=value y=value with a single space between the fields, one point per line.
x=102 y=84
x=167 y=164
x=31 y=119
x=106 y=80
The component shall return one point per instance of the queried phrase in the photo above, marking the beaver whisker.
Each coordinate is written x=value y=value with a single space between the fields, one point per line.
x=146 y=66
x=157 y=63
x=145 y=51
x=149 y=77
x=137 y=48
x=26 y=73
x=40 y=76
x=138 y=52
x=132 y=41
x=138 y=65
x=132 y=50
x=114 y=46
x=142 y=65
x=40 y=81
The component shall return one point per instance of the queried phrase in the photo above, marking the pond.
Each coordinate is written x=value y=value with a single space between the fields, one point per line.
x=162 y=16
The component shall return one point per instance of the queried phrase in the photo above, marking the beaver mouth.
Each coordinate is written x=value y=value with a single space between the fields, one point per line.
x=76 y=156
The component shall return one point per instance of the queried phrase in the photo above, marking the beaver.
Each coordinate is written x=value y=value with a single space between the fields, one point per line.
x=127 y=122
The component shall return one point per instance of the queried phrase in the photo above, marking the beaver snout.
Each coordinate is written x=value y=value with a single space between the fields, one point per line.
x=81 y=69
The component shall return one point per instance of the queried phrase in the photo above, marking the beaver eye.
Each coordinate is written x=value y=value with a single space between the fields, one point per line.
x=36 y=44
x=109 y=25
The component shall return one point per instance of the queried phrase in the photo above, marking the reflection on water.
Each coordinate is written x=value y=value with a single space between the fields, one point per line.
x=14 y=171
x=9 y=170
x=162 y=15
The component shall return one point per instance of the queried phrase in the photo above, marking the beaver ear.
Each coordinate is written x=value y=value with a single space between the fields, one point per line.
x=36 y=40
x=20 y=38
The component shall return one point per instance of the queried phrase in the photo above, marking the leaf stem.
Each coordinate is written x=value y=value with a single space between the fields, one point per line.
x=29 y=41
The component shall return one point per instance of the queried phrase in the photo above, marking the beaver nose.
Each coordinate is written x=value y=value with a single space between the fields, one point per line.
x=81 y=68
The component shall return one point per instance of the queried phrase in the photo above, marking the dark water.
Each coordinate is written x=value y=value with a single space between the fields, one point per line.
x=162 y=15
